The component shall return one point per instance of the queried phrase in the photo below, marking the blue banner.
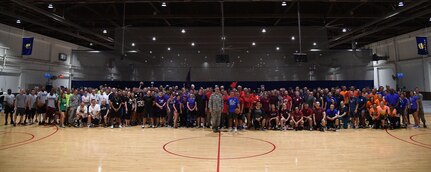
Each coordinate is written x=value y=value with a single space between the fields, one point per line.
x=27 y=46
x=422 y=45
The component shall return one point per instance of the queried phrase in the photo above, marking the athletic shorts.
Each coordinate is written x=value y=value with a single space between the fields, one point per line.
x=161 y=113
x=353 y=114
x=232 y=115
x=306 y=119
x=95 y=121
x=201 y=113
x=148 y=113
x=114 y=114
x=246 y=110
x=20 y=111
x=41 y=109
x=127 y=115
x=8 y=109
x=50 y=111
x=32 y=111
x=411 y=111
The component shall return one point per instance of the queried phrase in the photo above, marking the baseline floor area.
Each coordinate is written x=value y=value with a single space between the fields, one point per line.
x=38 y=148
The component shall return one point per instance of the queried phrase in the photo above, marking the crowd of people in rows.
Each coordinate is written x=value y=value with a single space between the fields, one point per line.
x=233 y=108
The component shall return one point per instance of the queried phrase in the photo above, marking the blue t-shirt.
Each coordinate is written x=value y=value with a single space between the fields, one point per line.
x=361 y=101
x=403 y=103
x=192 y=102
x=392 y=99
x=233 y=104
x=330 y=113
x=328 y=102
x=352 y=103
x=413 y=103
x=160 y=101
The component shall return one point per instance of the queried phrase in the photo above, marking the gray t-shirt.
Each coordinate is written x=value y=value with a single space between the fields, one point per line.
x=9 y=99
x=421 y=97
x=42 y=96
x=74 y=101
x=51 y=100
x=20 y=100
x=32 y=100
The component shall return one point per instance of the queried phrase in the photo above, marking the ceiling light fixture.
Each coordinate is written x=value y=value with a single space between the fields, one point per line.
x=50 y=6
x=193 y=44
x=283 y=3
x=169 y=48
x=277 y=48
x=133 y=44
x=401 y=4
x=18 y=21
x=253 y=43
x=314 y=43
x=344 y=30
x=91 y=44
x=151 y=52
x=293 y=38
x=183 y=31
x=263 y=30
x=163 y=4
x=105 y=31
x=154 y=38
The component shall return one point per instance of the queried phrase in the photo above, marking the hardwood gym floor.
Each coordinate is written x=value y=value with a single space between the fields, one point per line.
x=37 y=148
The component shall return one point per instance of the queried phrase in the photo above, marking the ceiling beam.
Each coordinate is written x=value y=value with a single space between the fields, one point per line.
x=183 y=1
x=60 y=19
x=397 y=22
x=32 y=21
x=158 y=12
x=291 y=5
x=380 y=19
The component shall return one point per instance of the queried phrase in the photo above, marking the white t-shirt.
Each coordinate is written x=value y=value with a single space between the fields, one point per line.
x=93 y=110
x=51 y=100
x=86 y=99
x=82 y=110
x=95 y=97
x=42 y=96
x=105 y=97
x=9 y=99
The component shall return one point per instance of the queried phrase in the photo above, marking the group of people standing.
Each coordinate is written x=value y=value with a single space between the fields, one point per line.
x=235 y=108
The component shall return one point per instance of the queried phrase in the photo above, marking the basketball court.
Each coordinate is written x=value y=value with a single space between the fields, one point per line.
x=34 y=148
x=187 y=65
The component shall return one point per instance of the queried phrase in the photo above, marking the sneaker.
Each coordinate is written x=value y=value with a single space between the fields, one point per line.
x=143 y=126
x=5 y=123
x=120 y=126
x=311 y=129
x=112 y=126
x=425 y=126
x=62 y=126
x=230 y=130
x=235 y=130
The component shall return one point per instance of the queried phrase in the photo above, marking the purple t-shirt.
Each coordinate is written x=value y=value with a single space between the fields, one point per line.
x=160 y=101
x=192 y=102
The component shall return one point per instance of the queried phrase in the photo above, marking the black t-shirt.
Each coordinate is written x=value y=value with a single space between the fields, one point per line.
x=200 y=100
x=129 y=104
x=116 y=102
x=140 y=105
x=104 y=109
x=148 y=102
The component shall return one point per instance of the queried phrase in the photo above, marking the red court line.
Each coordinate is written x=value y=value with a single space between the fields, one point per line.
x=411 y=138
x=204 y=158
x=32 y=141
x=32 y=137
x=405 y=140
x=218 y=153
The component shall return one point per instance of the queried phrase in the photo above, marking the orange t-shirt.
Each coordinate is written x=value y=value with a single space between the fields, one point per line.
x=369 y=104
x=383 y=110
x=393 y=112
x=373 y=112
x=346 y=95
x=377 y=101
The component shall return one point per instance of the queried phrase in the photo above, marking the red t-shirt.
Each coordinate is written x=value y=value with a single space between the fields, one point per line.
x=297 y=115
x=318 y=114
x=307 y=112
x=247 y=101
x=288 y=100
x=225 y=98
